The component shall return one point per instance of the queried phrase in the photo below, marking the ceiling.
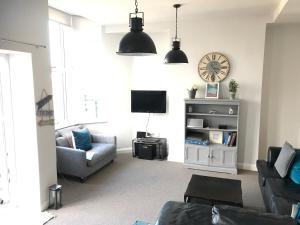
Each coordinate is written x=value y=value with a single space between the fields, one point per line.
x=116 y=11
x=290 y=13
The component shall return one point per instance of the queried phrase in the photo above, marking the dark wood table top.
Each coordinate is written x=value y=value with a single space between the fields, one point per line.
x=215 y=189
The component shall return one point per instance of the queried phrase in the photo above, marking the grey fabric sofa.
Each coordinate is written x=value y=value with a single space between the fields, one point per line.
x=80 y=163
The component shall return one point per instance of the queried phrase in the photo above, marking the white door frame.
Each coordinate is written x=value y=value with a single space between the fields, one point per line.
x=7 y=140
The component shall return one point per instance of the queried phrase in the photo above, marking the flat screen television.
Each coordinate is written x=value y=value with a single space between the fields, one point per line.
x=143 y=101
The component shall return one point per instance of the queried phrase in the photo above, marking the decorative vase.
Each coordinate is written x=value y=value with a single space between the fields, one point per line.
x=232 y=95
x=192 y=94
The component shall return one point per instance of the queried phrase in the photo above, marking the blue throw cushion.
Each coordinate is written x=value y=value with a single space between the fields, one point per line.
x=82 y=139
x=295 y=169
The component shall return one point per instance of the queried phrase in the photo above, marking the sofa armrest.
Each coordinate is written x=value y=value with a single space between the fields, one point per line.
x=273 y=153
x=100 y=138
x=68 y=157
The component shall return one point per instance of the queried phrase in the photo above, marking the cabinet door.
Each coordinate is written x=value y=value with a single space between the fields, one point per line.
x=203 y=155
x=229 y=158
x=196 y=154
x=191 y=154
x=216 y=157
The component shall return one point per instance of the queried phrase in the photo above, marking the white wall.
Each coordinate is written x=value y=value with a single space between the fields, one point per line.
x=27 y=21
x=114 y=82
x=280 y=119
x=241 y=39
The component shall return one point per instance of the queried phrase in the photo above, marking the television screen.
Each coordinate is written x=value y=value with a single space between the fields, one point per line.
x=148 y=101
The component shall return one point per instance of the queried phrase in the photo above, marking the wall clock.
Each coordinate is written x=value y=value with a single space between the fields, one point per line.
x=214 y=67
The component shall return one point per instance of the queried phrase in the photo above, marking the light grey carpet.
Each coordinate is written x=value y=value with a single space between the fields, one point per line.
x=133 y=189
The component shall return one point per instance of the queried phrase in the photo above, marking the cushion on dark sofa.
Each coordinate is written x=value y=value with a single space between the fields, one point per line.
x=285 y=159
x=273 y=153
x=230 y=215
x=179 y=213
x=294 y=173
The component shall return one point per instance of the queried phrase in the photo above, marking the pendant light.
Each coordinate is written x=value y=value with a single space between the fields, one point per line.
x=136 y=42
x=176 y=55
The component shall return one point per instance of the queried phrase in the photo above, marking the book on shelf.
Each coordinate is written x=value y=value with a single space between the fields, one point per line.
x=226 y=136
x=232 y=140
x=229 y=138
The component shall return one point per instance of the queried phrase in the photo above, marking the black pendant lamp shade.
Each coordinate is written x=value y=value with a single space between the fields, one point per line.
x=176 y=55
x=136 y=42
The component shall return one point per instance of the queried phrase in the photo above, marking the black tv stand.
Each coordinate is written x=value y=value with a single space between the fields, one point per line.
x=149 y=148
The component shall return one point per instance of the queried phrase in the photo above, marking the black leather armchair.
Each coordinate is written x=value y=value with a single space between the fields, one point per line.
x=179 y=213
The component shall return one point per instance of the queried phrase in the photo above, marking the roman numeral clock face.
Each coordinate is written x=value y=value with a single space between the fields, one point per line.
x=213 y=67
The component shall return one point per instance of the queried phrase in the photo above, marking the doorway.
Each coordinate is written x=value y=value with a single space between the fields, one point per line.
x=19 y=164
x=7 y=148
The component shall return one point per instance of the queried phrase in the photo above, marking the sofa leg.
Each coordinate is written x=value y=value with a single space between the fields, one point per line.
x=83 y=179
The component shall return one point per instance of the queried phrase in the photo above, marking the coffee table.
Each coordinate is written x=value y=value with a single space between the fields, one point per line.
x=214 y=190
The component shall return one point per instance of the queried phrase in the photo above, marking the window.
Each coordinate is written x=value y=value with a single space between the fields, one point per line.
x=73 y=101
x=58 y=71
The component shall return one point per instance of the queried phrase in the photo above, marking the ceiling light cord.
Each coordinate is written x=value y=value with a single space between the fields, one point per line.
x=176 y=24
x=136 y=7
x=136 y=42
x=176 y=55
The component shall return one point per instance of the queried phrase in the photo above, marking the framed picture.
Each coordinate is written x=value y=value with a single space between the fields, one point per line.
x=216 y=137
x=212 y=90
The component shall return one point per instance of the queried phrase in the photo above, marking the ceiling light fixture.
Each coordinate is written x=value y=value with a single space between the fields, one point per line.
x=176 y=55
x=136 y=42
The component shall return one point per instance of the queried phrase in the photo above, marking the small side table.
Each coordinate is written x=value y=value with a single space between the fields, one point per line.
x=159 y=144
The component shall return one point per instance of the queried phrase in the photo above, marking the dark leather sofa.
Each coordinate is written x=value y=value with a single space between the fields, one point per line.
x=278 y=193
x=179 y=213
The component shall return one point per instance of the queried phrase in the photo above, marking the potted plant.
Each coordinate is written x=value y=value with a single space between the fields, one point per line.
x=233 y=86
x=192 y=91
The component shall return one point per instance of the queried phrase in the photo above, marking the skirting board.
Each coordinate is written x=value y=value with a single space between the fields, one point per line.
x=44 y=205
x=124 y=149
x=210 y=168
x=243 y=166
x=247 y=166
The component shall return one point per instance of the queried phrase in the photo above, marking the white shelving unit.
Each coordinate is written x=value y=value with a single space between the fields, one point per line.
x=213 y=157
